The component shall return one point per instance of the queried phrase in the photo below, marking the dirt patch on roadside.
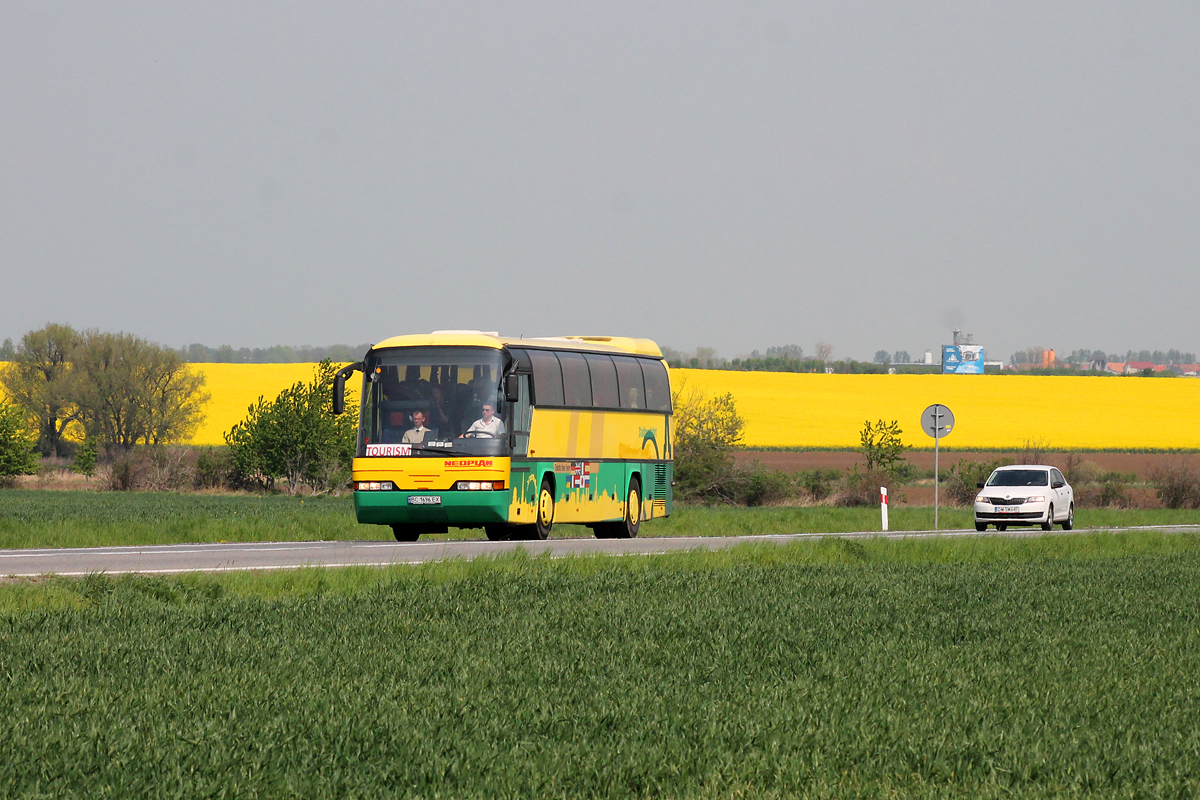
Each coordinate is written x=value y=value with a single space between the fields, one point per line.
x=1140 y=464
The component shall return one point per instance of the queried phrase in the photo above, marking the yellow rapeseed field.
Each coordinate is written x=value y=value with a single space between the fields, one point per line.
x=816 y=410
x=235 y=387
x=991 y=411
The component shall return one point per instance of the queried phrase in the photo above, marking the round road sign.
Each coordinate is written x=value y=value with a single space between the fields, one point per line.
x=937 y=421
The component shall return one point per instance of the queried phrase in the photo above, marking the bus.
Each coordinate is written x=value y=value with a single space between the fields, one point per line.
x=473 y=430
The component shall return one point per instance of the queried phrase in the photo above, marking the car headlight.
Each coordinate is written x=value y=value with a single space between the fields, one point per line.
x=1040 y=498
x=980 y=499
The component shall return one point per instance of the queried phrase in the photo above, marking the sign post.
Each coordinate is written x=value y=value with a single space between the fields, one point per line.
x=883 y=505
x=937 y=421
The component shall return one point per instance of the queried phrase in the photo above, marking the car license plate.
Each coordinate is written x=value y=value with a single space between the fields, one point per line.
x=425 y=500
x=1007 y=509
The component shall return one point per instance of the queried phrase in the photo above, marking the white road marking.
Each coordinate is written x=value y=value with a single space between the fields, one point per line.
x=438 y=550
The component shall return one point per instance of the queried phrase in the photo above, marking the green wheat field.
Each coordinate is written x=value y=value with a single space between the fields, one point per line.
x=978 y=667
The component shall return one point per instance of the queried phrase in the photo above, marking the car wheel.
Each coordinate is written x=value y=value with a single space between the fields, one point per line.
x=1049 y=523
x=981 y=526
x=1001 y=527
x=1069 y=522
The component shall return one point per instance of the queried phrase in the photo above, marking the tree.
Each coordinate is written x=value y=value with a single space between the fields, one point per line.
x=7 y=351
x=85 y=459
x=40 y=381
x=130 y=391
x=881 y=446
x=882 y=357
x=824 y=351
x=295 y=438
x=901 y=357
x=789 y=351
x=17 y=441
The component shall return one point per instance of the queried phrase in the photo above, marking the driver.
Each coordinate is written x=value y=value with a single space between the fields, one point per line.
x=417 y=433
x=489 y=426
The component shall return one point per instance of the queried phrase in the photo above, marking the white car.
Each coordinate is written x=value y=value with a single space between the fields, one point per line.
x=1025 y=494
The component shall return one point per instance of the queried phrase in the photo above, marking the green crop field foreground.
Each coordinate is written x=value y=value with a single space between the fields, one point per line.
x=979 y=667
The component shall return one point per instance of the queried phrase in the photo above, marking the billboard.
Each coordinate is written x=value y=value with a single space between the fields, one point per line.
x=962 y=359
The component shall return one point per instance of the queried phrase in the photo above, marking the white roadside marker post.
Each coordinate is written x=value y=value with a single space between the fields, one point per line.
x=883 y=504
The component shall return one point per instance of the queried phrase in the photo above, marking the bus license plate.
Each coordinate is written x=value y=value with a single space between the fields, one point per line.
x=425 y=500
x=1007 y=509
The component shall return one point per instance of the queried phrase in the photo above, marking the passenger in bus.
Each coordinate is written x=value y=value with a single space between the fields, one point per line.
x=437 y=405
x=489 y=426
x=417 y=433
x=393 y=428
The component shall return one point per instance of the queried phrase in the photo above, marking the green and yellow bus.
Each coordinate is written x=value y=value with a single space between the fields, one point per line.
x=470 y=429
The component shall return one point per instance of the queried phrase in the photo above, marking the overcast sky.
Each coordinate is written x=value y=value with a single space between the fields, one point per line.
x=732 y=175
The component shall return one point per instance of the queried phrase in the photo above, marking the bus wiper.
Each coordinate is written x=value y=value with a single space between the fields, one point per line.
x=444 y=450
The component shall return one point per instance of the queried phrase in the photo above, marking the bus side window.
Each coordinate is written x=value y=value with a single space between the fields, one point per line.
x=631 y=386
x=604 y=381
x=577 y=382
x=658 y=387
x=547 y=378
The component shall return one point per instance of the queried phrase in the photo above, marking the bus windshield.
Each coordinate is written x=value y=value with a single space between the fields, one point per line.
x=433 y=401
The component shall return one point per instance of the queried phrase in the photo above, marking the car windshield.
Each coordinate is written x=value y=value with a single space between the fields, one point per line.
x=1019 y=477
x=433 y=401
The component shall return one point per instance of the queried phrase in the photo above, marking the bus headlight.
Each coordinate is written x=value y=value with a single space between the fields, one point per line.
x=374 y=486
x=477 y=486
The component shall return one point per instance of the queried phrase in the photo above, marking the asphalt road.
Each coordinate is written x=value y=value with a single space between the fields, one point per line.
x=224 y=557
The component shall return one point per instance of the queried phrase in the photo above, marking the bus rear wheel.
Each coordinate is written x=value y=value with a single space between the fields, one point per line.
x=628 y=527
x=544 y=517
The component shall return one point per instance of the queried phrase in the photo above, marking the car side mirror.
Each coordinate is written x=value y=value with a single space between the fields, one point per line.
x=979 y=485
x=1058 y=485
x=512 y=392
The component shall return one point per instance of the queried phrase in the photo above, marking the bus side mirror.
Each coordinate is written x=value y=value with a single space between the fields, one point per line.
x=512 y=392
x=339 y=394
x=339 y=386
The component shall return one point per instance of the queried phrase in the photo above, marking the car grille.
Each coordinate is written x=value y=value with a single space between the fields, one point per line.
x=982 y=515
x=1000 y=501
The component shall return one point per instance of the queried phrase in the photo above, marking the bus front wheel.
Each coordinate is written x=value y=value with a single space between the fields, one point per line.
x=406 y=533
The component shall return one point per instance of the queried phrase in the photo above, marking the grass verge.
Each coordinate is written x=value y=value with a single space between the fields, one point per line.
x=31 y=518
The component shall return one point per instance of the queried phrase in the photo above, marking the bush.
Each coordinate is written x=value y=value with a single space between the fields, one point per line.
x=17 y=443
x=861 y=487
x=295 y=438
x=881 y=447
x=159 y=468
x=706 y=431
x=1113 y=490
x=761 y=487
x=818 y=483
x=1176 y=484
x=214 y=468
